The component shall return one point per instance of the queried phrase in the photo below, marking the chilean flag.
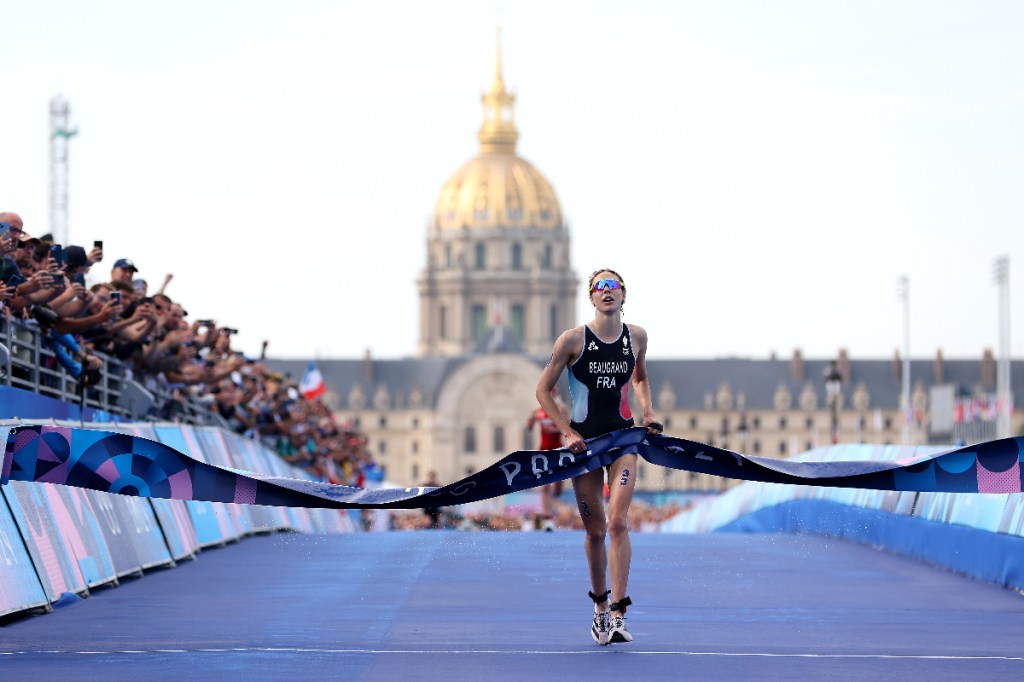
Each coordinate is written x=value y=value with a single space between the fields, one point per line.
x=312 y=384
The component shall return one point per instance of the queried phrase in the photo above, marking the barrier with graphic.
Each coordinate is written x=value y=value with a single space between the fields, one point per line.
x=21 y=586
x=981 y=535
x=57 y=539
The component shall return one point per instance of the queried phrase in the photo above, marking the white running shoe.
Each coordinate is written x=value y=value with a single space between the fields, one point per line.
x=599 y=630
x=618 y=632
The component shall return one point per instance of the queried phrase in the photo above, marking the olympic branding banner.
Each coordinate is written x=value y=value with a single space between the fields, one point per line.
x=136 y=466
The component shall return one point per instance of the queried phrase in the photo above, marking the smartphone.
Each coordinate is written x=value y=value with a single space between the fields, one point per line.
x=4 y=227
x=98 y=244
x=204 y=323
x=115 y=296
x=57 y=278
x=57 y=252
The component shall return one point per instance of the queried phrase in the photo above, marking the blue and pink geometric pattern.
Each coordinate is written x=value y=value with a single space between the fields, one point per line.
x=132 y=465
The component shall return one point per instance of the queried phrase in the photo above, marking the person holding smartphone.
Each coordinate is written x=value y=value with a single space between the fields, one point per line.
x=602 y=358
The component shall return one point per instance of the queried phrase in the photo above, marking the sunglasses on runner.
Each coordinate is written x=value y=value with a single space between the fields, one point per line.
x=602 y=284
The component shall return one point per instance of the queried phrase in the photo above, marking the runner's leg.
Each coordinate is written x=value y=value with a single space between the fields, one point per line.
x=621 y=482
x=590 y=502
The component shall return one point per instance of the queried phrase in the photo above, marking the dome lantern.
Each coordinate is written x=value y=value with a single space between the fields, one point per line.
x=498 y=132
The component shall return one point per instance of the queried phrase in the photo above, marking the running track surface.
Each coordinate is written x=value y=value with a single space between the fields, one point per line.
x=513 y=606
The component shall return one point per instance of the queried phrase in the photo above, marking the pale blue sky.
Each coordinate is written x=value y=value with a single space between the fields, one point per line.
x=761 y=173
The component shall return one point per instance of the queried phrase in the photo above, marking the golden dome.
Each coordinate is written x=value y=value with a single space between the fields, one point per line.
x=497 y=188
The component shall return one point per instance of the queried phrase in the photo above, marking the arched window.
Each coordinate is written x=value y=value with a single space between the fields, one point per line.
x=546 y=260
x=517 y=256
x=469 y=439
x=481 y=256
x=499 y=439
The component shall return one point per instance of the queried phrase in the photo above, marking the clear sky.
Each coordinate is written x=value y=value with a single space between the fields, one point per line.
x=761 y=173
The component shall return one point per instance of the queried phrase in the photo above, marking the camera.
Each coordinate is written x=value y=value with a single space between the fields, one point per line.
x=44 y=315
x=90 y=377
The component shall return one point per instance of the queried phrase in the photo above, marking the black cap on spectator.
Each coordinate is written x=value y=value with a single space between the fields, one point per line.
x=76 y=257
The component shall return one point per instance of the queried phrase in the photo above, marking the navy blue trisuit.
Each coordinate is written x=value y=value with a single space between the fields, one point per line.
x=599 y=384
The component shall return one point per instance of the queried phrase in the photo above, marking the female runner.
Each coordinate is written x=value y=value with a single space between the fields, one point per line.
x=602 y=357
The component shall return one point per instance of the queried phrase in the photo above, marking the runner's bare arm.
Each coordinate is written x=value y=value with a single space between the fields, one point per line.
x=641 y=380
x=567 y=348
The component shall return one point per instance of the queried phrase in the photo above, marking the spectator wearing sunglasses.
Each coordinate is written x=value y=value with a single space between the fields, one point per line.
x=602 y=358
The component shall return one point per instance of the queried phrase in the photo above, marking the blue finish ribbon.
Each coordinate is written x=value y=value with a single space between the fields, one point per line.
x=131 y=465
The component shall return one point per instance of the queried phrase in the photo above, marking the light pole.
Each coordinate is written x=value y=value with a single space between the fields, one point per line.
x=904 y=291
x=1003 y=397
x=833 y=386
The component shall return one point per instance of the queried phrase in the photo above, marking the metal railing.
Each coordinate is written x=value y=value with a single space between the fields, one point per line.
x=30 y=364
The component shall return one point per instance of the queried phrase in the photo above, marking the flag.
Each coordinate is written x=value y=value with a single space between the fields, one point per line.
x=312 y=384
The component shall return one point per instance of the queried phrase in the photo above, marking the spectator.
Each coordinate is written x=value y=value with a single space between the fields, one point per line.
x=123 y=271
x=191 y=363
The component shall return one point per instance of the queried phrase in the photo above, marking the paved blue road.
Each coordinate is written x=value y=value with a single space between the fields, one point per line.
x=512 y=606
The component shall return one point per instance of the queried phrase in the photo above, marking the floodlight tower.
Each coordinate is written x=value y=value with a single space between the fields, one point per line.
x=904 y=294
x=1004 y=399
x=60 y=137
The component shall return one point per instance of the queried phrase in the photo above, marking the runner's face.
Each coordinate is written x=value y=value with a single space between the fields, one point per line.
x=607 y=300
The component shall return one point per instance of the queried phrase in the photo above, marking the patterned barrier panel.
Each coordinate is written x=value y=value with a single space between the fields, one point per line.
x=155 y=541
x=212 y=521
x=298 y=519
x=78 y=520
x=58 y=569
x=172 y=515
x=217 y=444
x=177 y=528
x=217 y=454
x=132 y=521
x=250 y=455
x=1012 y=522
x=21 y=588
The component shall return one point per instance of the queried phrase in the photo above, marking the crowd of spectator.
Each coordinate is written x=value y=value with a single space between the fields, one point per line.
x=43 y=285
